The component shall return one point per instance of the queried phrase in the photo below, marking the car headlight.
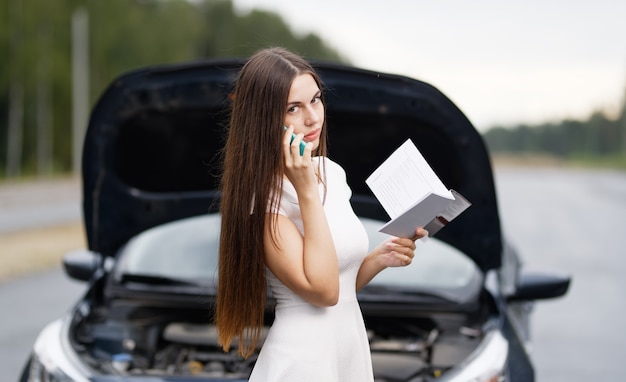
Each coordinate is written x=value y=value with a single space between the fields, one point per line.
x=45 y=371
x=51 y=361
x=486 y=364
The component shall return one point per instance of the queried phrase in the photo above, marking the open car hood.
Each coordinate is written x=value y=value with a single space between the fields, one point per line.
x=151 y=151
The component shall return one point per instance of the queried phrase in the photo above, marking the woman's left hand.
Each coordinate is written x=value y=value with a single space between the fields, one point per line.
x=393 y=252
x=397 y=251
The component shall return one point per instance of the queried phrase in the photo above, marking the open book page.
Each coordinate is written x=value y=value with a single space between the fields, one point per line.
x=412 y=194
x=404 y=179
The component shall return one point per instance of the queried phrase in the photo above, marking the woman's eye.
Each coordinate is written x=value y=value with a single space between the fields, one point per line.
x=316 y=99
x=292 y=109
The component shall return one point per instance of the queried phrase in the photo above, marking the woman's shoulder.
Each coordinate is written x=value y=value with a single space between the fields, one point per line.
x=335 y=178
x=331 y=167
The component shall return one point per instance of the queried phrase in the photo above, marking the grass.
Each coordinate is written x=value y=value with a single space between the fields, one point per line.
x=32 y=250
x=612 y=162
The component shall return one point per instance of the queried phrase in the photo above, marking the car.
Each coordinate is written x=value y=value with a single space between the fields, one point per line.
x=460 y=312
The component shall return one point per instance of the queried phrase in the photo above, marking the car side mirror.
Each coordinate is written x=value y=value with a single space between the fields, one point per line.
x=81 y=264
x=534 y=285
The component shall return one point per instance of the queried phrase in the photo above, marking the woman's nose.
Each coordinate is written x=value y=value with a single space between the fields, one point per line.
x=312 y=116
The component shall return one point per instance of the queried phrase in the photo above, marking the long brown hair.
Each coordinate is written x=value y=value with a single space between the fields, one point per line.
x=251 y=184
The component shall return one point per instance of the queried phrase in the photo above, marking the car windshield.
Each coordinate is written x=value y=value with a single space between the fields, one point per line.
x=187 y=251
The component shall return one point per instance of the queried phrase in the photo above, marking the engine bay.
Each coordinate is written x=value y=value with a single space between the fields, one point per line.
x=130 y=339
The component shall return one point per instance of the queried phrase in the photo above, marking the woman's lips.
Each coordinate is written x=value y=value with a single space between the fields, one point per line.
x=312 y=135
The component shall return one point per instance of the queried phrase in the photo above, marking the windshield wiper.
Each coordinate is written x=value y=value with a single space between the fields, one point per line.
x=403 y=293
x=155 y=280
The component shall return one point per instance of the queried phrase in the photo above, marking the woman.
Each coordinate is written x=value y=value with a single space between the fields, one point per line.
x=287 y=222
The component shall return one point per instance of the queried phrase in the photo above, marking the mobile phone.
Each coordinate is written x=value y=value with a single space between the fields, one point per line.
x=302 y=143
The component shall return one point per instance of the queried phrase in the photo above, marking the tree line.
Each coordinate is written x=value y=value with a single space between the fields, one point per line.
x=599 y=137
x=39 y=39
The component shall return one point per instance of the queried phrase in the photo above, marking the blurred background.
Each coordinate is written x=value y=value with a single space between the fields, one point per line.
x=543 y=82
x=535 y=78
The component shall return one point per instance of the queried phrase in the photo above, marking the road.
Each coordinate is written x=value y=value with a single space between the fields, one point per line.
x=33 y=300
x=28 y=303
x=573 y=221
x=39 y=203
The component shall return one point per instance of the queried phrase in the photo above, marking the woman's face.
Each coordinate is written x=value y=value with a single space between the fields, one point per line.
x=305 y=110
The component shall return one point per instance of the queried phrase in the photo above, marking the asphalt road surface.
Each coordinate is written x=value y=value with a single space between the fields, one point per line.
x=34 y=204
x=29 y=303
x=573 y=221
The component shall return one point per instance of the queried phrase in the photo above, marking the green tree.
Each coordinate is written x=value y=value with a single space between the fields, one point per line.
x=123 y=35
x=595 y=138
x=231 y=35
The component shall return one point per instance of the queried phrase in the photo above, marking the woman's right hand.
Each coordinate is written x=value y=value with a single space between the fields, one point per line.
x=299 y=169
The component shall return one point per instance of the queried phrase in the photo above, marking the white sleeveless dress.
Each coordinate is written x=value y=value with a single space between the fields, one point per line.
x=306 y=342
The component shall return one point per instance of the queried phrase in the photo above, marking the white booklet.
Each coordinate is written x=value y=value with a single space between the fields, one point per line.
x=412 y=194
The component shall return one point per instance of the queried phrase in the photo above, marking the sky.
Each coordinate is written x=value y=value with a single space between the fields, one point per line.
x=501 y=62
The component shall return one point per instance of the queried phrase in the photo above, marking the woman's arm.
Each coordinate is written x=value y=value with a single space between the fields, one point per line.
x=393 y=252
x=307 y=264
